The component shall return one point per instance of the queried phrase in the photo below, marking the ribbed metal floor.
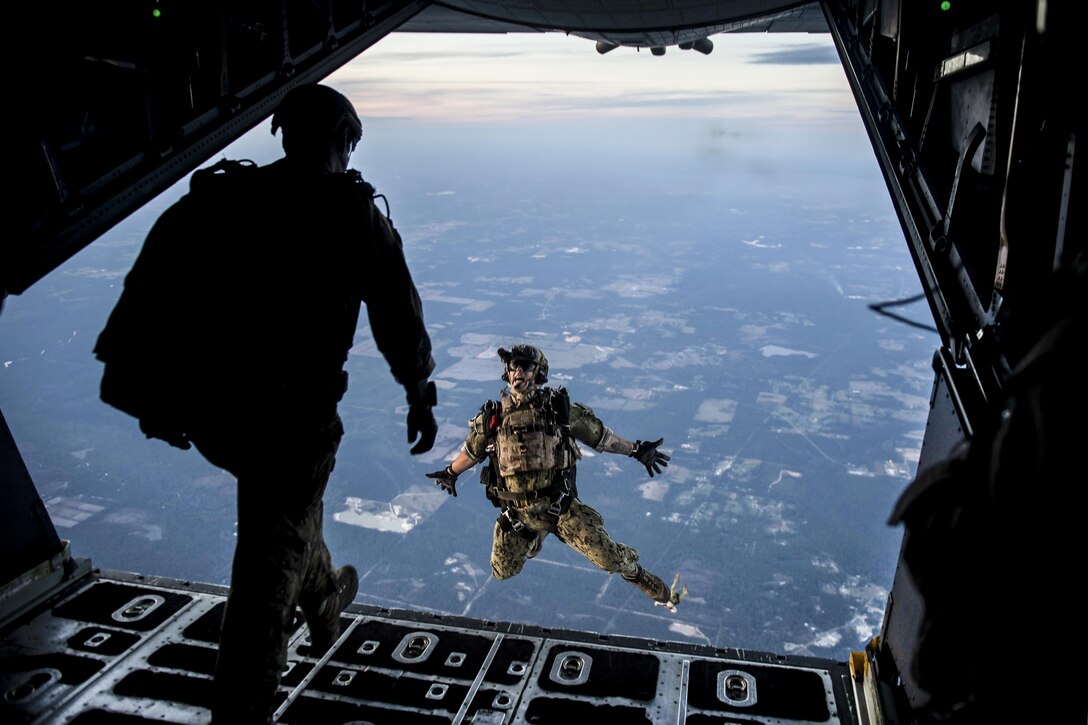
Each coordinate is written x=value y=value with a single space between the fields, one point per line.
x=127 y=649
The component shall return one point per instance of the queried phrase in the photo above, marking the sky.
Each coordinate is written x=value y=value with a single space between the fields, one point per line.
x=760 y=96
x=779 y=78
x=761 y=114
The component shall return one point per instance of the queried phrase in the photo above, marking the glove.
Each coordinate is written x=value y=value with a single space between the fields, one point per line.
x=421 y=398
x=445 y=478
x=647 y=454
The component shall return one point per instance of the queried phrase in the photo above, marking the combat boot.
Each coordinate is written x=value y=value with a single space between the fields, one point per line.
x=536 y=543
x=649 y=584
x=324 y=619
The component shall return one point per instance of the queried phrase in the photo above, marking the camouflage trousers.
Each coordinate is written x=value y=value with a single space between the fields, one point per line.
x=581 y=528
x=280 y=559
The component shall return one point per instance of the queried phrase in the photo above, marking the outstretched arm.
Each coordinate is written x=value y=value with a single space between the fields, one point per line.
x=589 y=429
x=447 y=477
x=612 y=443
x=645 y=451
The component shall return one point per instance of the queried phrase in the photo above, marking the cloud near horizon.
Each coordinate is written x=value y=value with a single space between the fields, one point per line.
x=483 y=78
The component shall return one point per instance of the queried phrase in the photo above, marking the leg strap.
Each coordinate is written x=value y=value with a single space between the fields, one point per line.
x=509 y=522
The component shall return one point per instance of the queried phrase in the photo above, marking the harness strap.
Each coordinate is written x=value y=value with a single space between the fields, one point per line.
x=508 y=522
x=527 y=496
x=546 y=427
x=560 y=505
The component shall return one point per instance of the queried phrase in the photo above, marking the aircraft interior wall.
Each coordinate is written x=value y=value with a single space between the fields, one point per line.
x=976 y=134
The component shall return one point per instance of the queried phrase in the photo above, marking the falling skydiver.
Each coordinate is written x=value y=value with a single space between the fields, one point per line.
x=530 y=440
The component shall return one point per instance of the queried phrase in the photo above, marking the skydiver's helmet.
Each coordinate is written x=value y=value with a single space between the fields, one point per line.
x=310 y=115
x=526 y=353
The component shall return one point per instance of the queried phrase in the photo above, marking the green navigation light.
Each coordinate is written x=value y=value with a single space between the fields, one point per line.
x=946 y=5
x=156 y=13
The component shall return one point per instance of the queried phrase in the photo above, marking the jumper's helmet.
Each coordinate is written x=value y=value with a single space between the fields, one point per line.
x=316 y=112
x=529 y=354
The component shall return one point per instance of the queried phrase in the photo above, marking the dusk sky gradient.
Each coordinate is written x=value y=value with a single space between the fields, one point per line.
x=785 y=77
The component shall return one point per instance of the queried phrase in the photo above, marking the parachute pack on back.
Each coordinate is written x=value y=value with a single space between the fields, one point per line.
x=167 y=325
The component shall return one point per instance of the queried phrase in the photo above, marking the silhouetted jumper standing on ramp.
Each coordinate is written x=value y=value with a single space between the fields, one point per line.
x=231 y=335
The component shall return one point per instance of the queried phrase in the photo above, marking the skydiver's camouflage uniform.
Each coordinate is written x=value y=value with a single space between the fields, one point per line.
x=581 y=527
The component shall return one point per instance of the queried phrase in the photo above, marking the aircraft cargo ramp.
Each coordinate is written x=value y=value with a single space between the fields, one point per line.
x=124 y=648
